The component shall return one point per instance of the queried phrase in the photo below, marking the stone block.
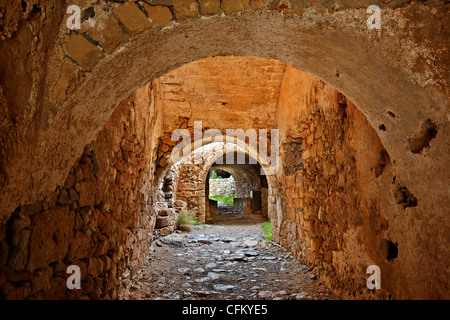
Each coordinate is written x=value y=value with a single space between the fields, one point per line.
x=315 y=244
x=71 y=77
x=297 y=11
x=185 y=9
x=19 y=292
x=63 y=198
x=258 y=4
x=106 y=31
x=18 y=258
x=133 y=19
x=180 y=204
x=162 y=222
x=85 y=53
x=79 y=175
x=51 y=234
x=73 y=195
x=306 y=154
x=209 y=7
x=168 y=187
x=290 y=214
x=160 y=16
x=31 y=210
x=56 y=288
x=310 y=139
x=165 y=231
x=81 y=247
x=95 y=266
x=102 y=246
x=107 y=262
x=41 y=280
x=87 y=174
x=235 y=6
x=309 y=225
x=91 y=193
x=164 y=212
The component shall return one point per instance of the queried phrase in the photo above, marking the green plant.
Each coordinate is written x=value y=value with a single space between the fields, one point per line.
x=186 y=218
x=214 y=175
x=267 y=229
x=228 y=200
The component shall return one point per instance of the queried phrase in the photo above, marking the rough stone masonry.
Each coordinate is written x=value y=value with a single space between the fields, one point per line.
x=86 y=118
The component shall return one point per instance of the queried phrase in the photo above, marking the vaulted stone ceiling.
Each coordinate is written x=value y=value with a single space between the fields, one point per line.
x=223 y=92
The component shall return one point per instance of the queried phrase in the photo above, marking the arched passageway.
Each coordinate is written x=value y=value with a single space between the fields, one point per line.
x=246 y=188
x=191 y=179
x=80 y=158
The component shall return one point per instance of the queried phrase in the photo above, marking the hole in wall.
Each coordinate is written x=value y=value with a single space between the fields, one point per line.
x=88 y=14
x=55 y=237
x=35 y=12
x=421 y=140
x=403 y=197
x=383 y=161
x=382 y=127
x=391 y=114
x=342 y=100
x=388 y=249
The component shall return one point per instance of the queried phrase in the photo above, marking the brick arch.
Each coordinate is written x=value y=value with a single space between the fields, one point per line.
x=205 y=167
x=242 y=175
x=209 y=164
x=161 y=171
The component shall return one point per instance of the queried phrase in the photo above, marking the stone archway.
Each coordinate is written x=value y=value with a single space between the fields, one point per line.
x=247 y=179
x=357 y=66
x=194 y=191
x=402 y=94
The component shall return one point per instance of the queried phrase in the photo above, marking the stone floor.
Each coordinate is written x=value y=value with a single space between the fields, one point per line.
x=230 y=260
x=224 y=209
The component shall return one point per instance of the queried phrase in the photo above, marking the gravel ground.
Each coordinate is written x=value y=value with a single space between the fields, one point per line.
x=228 y=260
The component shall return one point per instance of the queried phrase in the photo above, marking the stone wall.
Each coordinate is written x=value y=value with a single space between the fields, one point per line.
x=222 y=187
x=60 y=88
x=191 y=188
x=265 y=202
x=101 y=219
x=339 y=195
x=407 y=56
x=343 y=205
